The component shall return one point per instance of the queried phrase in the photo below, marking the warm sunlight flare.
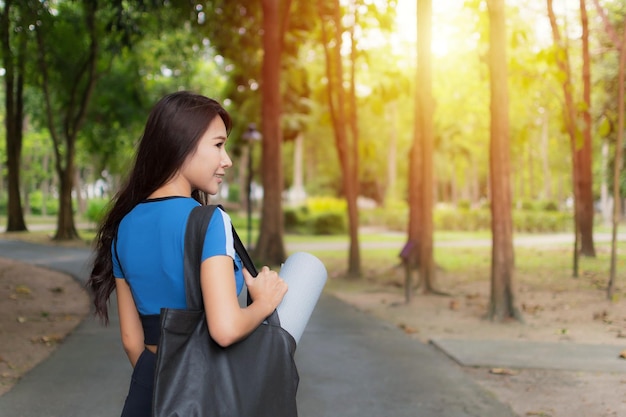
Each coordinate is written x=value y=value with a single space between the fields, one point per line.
x=443 y=28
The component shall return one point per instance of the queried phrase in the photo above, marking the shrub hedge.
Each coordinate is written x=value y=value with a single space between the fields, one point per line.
x=328 y=216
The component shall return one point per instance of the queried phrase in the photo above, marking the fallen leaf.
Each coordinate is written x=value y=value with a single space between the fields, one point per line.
x=622 y=354
x=502 y=371
x=407 y=329
x=48 y=340
x=21 y=319
x=22 y=289
x=531 y=309
x=454 y=305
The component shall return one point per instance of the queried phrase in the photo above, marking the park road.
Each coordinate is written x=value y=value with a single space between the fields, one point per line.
x=350 y=364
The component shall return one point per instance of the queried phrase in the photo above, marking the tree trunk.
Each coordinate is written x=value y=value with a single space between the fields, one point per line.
x=392 y=150
x=338 y=109
x=66 y=229
x=562 y=59
x=619 y=150
x=416 y=194
x=45 y=186
x=585 y=152
x=72 y=112
x=14 y=83
x=581 y=155
x=270 y=247
x=354 y=267
x=81 y=201
x=605 y=202
x=297 y=188
x=425 y=127
x=545 y=157
x=501 y=306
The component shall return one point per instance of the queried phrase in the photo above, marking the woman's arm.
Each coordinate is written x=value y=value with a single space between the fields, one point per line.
x=227 y=321
x=130 y=323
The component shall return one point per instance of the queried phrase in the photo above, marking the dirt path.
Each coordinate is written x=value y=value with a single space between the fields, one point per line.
x=576 y=316
x=38 y=308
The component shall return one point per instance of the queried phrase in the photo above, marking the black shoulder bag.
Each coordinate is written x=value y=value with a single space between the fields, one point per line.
x=196 y=377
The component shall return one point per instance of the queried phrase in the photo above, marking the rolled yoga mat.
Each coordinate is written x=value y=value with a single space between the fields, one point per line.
x=306 y=275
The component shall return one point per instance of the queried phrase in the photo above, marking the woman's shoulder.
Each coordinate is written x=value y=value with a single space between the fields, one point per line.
x=165 y=204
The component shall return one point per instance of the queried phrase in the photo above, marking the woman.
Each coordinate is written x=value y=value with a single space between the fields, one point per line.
x=140 y=242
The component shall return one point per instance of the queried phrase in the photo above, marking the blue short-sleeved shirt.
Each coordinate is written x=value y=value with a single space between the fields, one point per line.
x=150 y=250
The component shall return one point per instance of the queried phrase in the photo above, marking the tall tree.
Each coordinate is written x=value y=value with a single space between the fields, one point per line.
x=585 y=150
x=13 y=35
x=259 y=40
x=67 y=90
x=501 y=304
x=580 y=146
x=270 y=247
x=620 y=46
x=425 y=126
x=421 y=157
x=332 y=30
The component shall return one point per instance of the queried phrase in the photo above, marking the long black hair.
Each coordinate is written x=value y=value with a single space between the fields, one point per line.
x=173 y=129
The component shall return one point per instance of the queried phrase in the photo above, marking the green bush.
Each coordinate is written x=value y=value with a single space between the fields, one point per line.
x=35 y=200
x=464 y=204
x=96 y=209
x=328 y=224
x=530 y=221
x=391 y=218
x=326 y=204
x=319 y=216
x=550 y=206
x=328 y=216
x=4 y=202
x=541 y=221
x=233 y=193
x=462 y=219
x=296 y=219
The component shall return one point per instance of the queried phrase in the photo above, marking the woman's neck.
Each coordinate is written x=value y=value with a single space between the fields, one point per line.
x=171 y=189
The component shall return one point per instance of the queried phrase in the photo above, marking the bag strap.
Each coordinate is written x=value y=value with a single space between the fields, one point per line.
x=197 y=225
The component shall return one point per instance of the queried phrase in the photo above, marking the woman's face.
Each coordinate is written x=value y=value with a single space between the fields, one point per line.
x=205 y=168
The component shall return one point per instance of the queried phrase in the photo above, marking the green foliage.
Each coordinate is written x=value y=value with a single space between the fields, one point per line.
x=96 y=209
x=328 y=223
x=538 y=205
x=464 y=204
x=233 y=193
x=295 y=219
x=550 y=206
x=392 y=217
x=326 y=204
x=36 y=201
x=541 y=221
x=4 y=201
x=319 y=216
x=447 y=218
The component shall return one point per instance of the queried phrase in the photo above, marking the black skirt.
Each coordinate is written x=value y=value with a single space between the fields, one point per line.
x=139 y=400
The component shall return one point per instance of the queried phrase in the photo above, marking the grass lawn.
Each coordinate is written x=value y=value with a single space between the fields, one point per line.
x=536 y=266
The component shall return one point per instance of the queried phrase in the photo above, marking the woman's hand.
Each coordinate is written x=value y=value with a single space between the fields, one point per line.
x=228 y=322
x=267 y=288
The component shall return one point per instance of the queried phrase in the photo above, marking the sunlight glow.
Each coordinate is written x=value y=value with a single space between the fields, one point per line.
x=443 y=29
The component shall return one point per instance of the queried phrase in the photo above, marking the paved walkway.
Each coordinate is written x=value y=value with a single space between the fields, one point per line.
x=350 y=365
